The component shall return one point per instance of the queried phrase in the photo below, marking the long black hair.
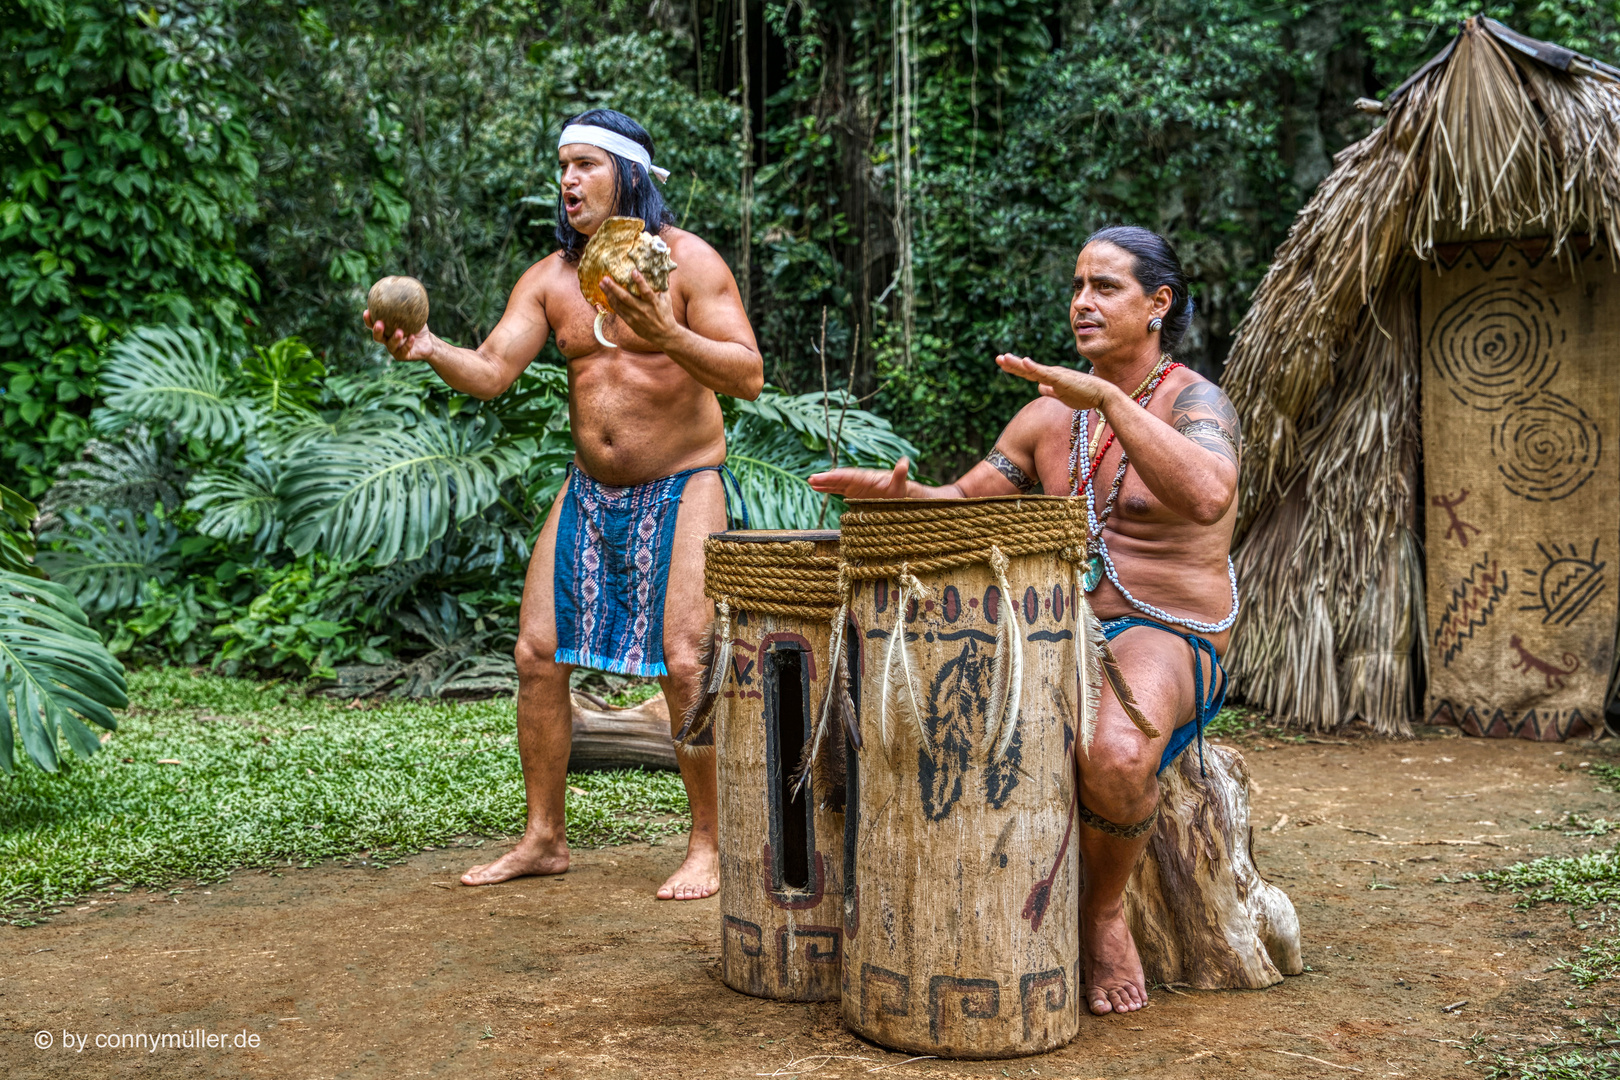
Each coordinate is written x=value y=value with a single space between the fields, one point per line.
x=635 y=194
x=1154 y=264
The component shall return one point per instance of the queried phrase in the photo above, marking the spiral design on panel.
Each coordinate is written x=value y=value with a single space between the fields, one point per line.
x=1546 y=448
x=1493 y=345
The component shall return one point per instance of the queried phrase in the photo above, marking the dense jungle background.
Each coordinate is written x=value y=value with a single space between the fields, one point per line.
x=212 y=458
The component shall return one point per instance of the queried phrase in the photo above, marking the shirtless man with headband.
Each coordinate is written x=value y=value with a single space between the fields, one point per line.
x=616 y=580
x=1153 y=449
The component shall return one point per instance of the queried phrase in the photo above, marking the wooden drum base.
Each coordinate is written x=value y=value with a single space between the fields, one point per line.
x=1202 y=915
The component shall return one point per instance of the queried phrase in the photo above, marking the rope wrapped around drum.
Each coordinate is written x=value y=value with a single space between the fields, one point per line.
x=883 y=539
x=773 y=579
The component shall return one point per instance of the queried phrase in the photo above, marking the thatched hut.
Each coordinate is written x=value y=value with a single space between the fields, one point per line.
x=1429 y=382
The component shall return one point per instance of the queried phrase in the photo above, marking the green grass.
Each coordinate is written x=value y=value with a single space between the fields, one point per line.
x=1591 y=1055
x=1574 y=824
x=268 y=777
x=1608 y=774
x=1233 y=721
x=1599 y=962
x=1584 y=880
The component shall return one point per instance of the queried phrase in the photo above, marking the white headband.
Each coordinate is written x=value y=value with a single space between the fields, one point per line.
x=614 y=143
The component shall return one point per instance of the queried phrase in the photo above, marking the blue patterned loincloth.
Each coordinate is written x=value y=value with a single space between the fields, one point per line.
x=1205 y=705
x=611 y=571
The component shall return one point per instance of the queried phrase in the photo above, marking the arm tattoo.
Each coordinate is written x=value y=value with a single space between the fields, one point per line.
x=1204 y=415
x=1003 y=465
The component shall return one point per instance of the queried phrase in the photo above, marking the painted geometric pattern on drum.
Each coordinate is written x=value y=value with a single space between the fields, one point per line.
x=959 y=694
x=744 y=939
x=952 y=1000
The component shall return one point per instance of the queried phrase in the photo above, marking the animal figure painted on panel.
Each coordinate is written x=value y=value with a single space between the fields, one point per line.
x=617 y=250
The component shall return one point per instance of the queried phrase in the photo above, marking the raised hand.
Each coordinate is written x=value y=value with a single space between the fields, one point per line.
x=419 y=346
x=1076 y=389
x=866 y=483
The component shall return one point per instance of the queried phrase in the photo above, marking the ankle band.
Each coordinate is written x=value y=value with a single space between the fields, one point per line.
x=1123 y=832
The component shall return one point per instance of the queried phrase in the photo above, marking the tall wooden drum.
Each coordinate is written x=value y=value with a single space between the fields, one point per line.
x=962 y=919
x=781 y=842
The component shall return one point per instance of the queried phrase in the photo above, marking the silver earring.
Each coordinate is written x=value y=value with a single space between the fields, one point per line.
x=1154 y=324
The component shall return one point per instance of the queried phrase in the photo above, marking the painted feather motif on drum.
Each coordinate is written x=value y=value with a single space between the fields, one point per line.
x=1001 y=774
x=958 y=731
x=956 y=700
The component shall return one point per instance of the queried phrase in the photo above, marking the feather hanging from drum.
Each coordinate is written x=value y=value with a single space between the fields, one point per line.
x=1090 y=644
x=845 y=702
x=1007 y=669
x=824 y=763
x=714 y=656
x=1122 y=692
x=900 y=693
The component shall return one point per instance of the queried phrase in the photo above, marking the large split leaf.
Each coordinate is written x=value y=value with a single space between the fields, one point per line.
x=107 y=556
x=55 y=674
x=238 y=500
x=391 y=491
x=176 y=375
x=777 y=441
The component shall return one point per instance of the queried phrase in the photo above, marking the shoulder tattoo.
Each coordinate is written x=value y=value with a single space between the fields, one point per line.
x=1005 y=466
x=1203 y=414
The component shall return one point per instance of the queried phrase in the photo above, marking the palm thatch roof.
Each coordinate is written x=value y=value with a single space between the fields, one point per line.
x=1498 y=136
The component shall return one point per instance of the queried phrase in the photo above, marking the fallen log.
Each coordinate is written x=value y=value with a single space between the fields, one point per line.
x=1201 y=913
x=609 y=738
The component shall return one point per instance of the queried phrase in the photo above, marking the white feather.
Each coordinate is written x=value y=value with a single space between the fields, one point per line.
x=722 y=659
x=1015 y=685
x=896 y=638
x=900 y=679
x=1007 y=671
x=834 y=653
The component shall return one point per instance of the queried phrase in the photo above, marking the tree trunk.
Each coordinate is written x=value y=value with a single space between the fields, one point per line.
x=1202 y=915
x=609 y=738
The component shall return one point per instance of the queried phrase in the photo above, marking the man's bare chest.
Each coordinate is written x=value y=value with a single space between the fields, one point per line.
x=1070 y=457
x=573 y=320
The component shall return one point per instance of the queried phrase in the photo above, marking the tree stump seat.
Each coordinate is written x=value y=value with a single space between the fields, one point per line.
x=1202 y=914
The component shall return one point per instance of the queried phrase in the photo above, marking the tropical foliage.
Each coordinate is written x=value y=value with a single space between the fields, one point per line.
x=375 y=520
x=126 y=167
x=55 y=674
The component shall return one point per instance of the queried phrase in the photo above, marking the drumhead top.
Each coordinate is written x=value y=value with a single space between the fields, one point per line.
x=774 y=536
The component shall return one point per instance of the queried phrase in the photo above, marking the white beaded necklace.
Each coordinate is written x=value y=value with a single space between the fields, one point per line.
x=1101 y=547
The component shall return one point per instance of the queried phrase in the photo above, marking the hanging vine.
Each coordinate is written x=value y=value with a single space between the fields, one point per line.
x=903 y=104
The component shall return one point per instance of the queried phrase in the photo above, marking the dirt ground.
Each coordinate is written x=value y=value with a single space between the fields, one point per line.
x=401 y=972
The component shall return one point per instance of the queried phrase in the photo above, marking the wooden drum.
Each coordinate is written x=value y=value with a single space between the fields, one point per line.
x=781 y=846
x=962 y=920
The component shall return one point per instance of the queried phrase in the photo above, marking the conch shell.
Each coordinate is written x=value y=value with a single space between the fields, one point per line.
x=617 y=250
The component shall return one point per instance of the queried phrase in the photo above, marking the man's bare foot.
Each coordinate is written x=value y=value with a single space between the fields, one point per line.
x=699 y=875
x=525 y=860
x=1114 y=979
